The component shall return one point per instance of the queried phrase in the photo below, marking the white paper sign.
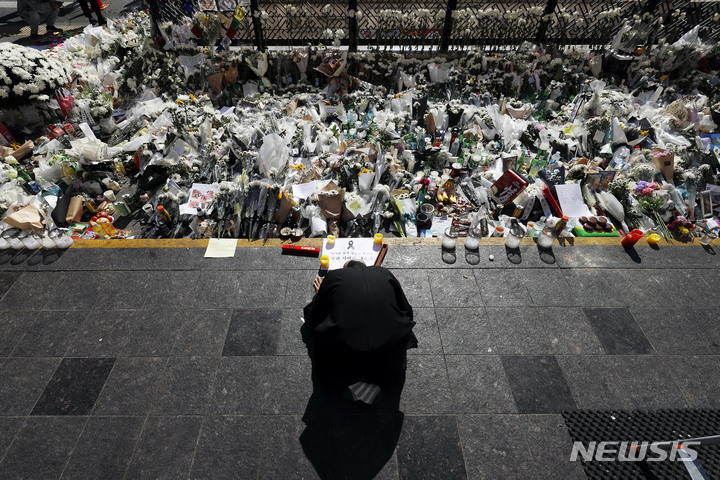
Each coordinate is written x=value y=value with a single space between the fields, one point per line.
x=346 y=249
x=571 y=200
x=221 y=248
x=303 y=190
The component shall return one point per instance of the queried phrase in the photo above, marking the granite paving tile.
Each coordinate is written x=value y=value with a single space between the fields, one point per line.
x=123 y=290
x=537 y=384
x=6 y=257
x=170 y=289
x=704 y=320
x=502 y=288
x=414 y=257
x=260 y=289
x=550 y=448
x=454 y=288
x=686 y=287
x=150 y=259
x=253 y=332
x=6 y=281
x=74 y=387
x=416 y=286
x=640 y=288
x=465 y=330
x=9 y=426
x=592 y=257
x=104 y=448
x=429 y=448
x=479 y=384
x=74 y=291
x=618 y=332
x=283 y=456
x=426 y=331
x=103 y=334
x=243 y=384
x=49 y=335
x=355 y=446
x=165 y=448
x=594 y=383
x=569 y=331
x=218 y=289
x=427 y=389
x=42 y=447
x=695 y=375
x=593 y=287
x=185 y=386
x=22 y=380
x=13 y=325
x=646 y=380
x=495 y=446
x=672 y=331
x=300 y=289
x=230 y=447
x=291 y=386
x=131 y=386
x=518 y=331
x=201 y=333
x=291 y=342
x=29 y=291
x=547 y=288
x=153 y=333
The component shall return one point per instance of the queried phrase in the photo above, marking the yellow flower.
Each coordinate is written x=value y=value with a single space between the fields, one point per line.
x=192 y=97
x=179 y=102
x=683 y=231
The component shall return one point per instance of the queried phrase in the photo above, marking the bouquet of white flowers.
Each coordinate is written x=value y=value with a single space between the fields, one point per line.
x=28 y=74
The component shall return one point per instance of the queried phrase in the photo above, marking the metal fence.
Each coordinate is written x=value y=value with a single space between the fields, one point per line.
x=448 y=24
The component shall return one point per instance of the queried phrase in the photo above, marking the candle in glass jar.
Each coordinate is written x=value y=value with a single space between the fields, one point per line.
x=449 y=239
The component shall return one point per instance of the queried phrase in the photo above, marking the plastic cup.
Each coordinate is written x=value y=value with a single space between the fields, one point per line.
x=632 y=238
x=324 y=261
x=331 y=239
x=378 y=239
x=654 y=239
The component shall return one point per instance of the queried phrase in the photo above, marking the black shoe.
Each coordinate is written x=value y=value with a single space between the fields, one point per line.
x=53 y=28
x=92 y=21
x=34 y=36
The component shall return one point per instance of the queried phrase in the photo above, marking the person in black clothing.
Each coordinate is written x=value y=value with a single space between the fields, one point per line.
x=88 y=6
x=360 y=325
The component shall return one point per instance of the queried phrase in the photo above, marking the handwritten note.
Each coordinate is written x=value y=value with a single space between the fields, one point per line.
x=346 y=249
x=571 y=200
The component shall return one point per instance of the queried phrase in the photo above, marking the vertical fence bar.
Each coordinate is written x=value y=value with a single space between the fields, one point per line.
x=542 y=28
x=447 y=29
x=353 y=25
x=257 y=25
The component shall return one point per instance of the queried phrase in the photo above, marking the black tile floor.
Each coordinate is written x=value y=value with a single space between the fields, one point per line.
x=135 y=363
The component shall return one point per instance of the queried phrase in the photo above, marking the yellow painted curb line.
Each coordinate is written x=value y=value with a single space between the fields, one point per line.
x=318 y=242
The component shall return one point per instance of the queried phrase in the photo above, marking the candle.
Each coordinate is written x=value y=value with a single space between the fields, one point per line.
x=449 y=239
x=653 y=239
x=378 y=239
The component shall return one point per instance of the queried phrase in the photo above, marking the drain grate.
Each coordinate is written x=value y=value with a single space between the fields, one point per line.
x=645 y=426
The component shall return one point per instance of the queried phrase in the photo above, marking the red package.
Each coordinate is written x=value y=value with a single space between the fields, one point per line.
x=6 y=138
x=508 y=186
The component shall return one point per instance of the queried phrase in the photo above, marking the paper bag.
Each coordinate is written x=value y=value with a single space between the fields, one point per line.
x=664 y=160
x=74 y=211
x=28 y=217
